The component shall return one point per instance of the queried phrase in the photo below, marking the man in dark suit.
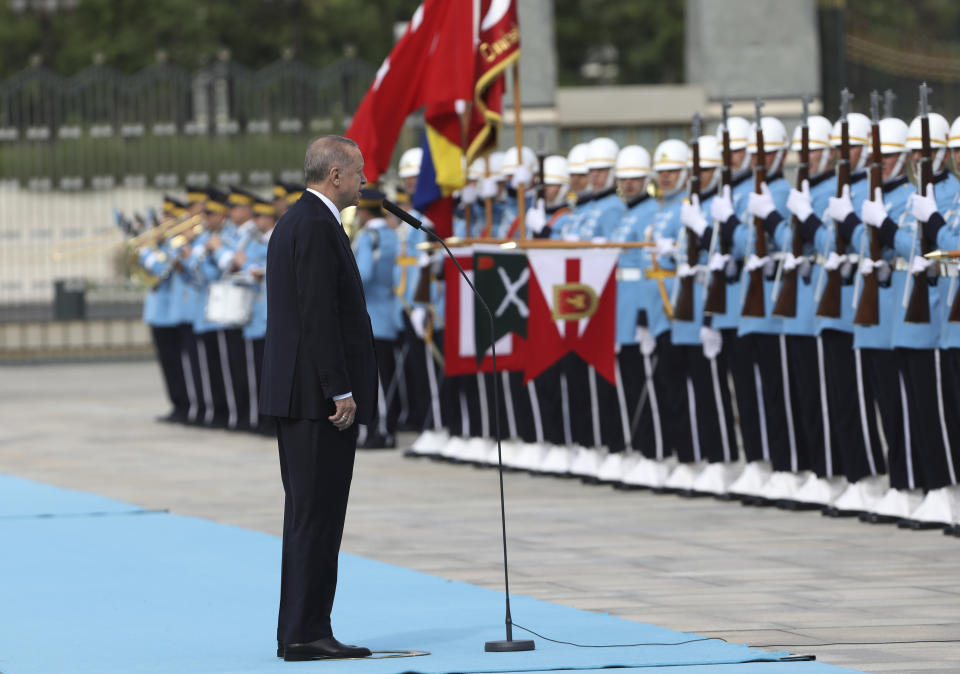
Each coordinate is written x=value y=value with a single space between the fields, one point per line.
x=319 y=379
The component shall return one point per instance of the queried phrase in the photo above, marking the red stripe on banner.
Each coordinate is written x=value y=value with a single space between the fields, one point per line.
x=570 y=328
x=596 y=346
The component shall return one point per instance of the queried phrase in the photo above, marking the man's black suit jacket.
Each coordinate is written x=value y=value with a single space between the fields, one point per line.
x=319 y=340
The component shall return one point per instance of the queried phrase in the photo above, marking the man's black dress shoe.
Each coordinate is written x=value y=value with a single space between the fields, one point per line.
x=322 y=649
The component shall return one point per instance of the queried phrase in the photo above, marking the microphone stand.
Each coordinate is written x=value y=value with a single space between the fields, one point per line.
x=509 y=644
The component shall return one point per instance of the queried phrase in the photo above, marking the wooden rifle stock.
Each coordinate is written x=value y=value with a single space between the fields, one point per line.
x=683 y=311
x=918 y=309
x=753 y=303
x=868 y=310
x=786 y=305
x=716 y=300
x=831 y=299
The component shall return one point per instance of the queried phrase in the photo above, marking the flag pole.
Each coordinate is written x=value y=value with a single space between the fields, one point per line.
x=518 y=132
x=464 y=131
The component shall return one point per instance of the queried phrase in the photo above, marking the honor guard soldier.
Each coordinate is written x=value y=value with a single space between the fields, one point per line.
x=375 y=247
x=666 y=426
x=552 y=210
x=709 y=407
x=874 y=344
x=518 y=174
x=470 y=207
x=249 y=262
x=632 y=171
x=211 y=253
x=763 y=346
x=598 y=218
x=917 y=341
x=159 y=313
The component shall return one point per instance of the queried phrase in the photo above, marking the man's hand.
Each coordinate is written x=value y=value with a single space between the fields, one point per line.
x=213 y=243
x=239 y=259
x=346 y=413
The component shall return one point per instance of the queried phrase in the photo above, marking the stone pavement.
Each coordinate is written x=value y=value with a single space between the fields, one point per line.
x=758 y=576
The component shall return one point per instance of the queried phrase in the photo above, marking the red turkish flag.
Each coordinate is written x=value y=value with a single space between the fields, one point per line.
x=432 y=64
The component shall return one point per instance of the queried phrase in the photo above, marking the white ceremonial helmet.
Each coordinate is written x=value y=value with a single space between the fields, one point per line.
x=511 y=163
x=739 y=129
x=633 y=161
x=602 y=153
x=939 y=137
x=818 y=135
x=858 y=133
x=410 y=162
x=893 y=140
x=711 y=157
x=775 y=140
x=555 y=173
x=496 y=166
x=477 y=170
x=577 y=160
x=953 y=140
x=671 y=155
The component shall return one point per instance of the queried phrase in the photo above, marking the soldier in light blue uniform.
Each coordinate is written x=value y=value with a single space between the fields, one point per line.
x=250 y=261
x=598 y=218
x=155 y=258
x=375 y=247
x=761 y=346
x=211 y=254
x=810 y=387
x=931 y=463
x=517 y=173
x=471 y=203
x=579 y=194
x=666 y=427
x=709 y=404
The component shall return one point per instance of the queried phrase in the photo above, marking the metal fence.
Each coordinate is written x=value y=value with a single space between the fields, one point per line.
x=75 y=149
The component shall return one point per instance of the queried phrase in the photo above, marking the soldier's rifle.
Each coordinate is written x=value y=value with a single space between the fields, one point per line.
x=831 y=297
x=683 y=308
x=786 y=304
x=918 y=308
x=753 y=304
x=868 y=309
x=716 y=301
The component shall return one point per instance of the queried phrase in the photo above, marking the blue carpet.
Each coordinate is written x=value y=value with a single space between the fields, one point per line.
x=154 y=592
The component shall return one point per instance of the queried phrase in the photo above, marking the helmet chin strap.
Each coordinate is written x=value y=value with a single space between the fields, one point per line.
x=561 y=197
x=824 y=161
x=745 y=164
x=714 y=181
x=862 y=161
x=610 y=181
x=897 y=168
x=938 y=159
x=777 y=159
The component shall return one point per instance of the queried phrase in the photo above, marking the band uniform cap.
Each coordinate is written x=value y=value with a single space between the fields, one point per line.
x=216 y=201
x=261 y=207
x=196 y=194
x=279 y=190
x=294 y=192
x=171 y=203
x=240 y=197
x=371 y=198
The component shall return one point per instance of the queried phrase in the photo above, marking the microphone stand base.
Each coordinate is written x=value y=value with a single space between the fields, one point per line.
x=509 y=646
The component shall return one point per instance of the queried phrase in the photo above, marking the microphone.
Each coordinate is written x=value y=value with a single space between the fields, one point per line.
x=498 y=646
x=403 y=215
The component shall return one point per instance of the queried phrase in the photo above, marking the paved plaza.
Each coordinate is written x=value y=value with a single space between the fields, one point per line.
x=765 y=577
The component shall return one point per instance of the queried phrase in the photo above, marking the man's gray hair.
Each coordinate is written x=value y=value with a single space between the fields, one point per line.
x=323 y=153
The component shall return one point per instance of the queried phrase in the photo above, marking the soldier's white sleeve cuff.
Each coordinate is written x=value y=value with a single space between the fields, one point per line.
x=341 y=397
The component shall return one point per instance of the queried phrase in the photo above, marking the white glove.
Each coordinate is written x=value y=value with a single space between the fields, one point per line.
x=761 y=205
x=536 y=218
x=684 y=270
x=798 y=202
x=691 y=215
x=646 y=341
x=754 y=263
x=666 y=247
x=867 y=265
x=718 y=261
x=833 y=261
x=468 y=195
x=522 y=176
x=840 y=207
x=721 y=208
x=920 y=265
x=791 y=261
x=418 y=318
x=923 y=207
x=571 y=237
x=423 y=259
x=598 y=239
x=488 y=188
x=873 y=212
x=712 y=342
